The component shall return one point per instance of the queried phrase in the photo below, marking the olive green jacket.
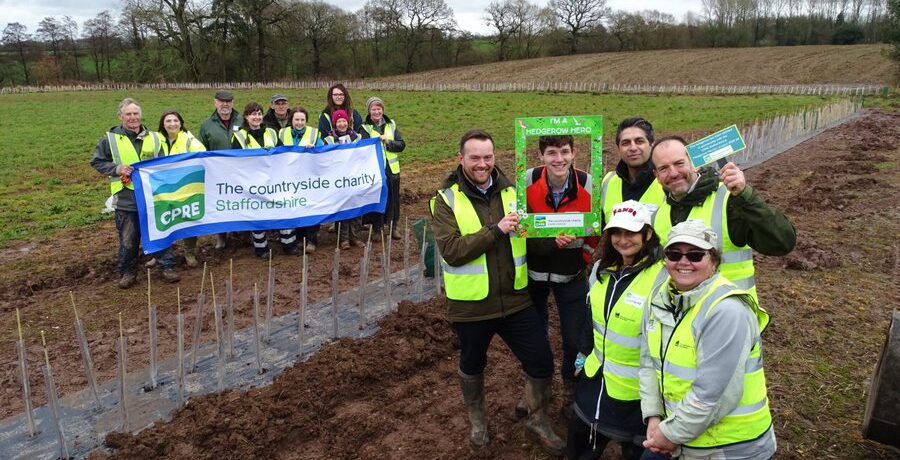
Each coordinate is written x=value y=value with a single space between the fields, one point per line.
x=502 y=299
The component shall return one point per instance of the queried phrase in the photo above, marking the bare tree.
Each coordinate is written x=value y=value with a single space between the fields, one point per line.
x=320 y=25
x=532 y=22
x=16 y=36
x=70 y=33
x=501 y=16
x=50 y=31
x=410 y=23
x=579 y=16
x=100 y=33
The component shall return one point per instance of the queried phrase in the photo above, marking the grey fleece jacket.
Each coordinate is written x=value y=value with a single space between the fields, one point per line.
x=723 y=347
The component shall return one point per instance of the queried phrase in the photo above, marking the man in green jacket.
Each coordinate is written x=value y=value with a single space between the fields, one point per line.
x=726 y=203
x=216 y=131
x=486 y=280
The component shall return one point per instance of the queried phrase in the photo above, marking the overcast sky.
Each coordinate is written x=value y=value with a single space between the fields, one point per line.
x=469 y=13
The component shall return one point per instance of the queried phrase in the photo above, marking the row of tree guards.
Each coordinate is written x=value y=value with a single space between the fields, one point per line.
x=224 y=330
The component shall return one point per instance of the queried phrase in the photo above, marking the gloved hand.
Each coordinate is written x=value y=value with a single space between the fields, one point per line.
x=579 y=363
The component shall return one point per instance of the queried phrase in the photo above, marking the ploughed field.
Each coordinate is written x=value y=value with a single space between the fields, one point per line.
x=395 y=395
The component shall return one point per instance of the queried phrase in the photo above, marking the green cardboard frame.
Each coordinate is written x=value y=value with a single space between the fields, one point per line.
x=532 y=225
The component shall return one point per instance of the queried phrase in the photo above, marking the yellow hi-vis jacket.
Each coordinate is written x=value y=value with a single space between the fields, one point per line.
x=470 y=282
x=270 y=139
x=391 y=159
x=737 y=261
x=675 y=363
x=123 y=153
x=617 y=331
x=185 y=142
x=611 y=195
x=308 y=139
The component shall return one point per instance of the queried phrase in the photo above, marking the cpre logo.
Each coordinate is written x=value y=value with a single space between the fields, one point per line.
x=178 y=195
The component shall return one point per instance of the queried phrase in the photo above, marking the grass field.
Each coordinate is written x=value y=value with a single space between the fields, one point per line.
x=46 y=183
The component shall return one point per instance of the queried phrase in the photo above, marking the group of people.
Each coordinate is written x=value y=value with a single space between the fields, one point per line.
x=659 y=317
x=226 y=129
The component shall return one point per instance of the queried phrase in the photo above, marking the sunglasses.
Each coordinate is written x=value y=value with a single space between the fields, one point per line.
x=692 y=256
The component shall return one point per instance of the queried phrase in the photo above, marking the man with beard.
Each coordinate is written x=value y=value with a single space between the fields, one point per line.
x=724 y=202
x=485 y=277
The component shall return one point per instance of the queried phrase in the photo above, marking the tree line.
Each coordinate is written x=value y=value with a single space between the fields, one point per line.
x=270 y=40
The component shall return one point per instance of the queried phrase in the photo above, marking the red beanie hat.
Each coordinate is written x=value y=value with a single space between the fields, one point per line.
x=338 y=114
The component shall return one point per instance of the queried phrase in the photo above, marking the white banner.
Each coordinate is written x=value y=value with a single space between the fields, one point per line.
x=237 y=190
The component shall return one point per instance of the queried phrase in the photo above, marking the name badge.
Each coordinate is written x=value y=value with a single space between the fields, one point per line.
x=634 y=300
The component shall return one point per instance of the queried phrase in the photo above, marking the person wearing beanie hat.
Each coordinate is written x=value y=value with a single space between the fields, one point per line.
x=338 y=98
x=379 y=126
x=351 y=229
x=607 y=396
x=702 y=382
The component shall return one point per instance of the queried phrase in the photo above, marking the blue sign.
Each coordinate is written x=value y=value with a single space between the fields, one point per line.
x=715 y=146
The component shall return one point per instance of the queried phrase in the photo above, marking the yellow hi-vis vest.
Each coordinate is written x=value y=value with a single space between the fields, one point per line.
x=470 y=282
x=185 y=142
x=676 y=369
x=617 y=341
x=123 y=153
x=270 y=138
x=390 y=158
x=307 y=140
x=737 y=261
x=611 y=195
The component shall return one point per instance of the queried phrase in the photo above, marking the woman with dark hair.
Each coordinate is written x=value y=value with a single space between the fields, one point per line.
x=253 y=134
x=607 y=398
x=180 y=140
x=298 y=133
x=338 y=99
x=702 y=381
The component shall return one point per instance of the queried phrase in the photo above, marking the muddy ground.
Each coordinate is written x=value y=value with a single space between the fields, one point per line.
x=395 y=395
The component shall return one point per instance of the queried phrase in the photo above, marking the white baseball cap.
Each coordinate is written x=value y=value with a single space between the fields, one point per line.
x=630 y=215
x=693 y=232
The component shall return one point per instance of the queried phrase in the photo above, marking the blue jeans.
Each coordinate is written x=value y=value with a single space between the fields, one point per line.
x=571 y=303
x=128 y=227
x=521 y=332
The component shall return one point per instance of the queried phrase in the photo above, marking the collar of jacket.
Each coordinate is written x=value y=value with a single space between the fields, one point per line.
x=457 y=177
x=235 y=119
x=571 y=190
x=644 y=177
x=706 y=184
x=636 y=268
x=384 y=120
x=133 y=135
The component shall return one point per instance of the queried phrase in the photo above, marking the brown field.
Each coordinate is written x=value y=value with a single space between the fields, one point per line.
x=785 y=65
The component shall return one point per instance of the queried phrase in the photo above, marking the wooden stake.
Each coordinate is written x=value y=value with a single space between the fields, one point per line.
x=406 y=277
x=270 y=300
x=86 y=359
x=437 y=270
x=256 y=328
x=229 y=305
x=304 y=298
x=53 y=402
x=420 y=296
x=179 y=330
x=26 y=386
x=220 y=352
x=151 y=326
x=335 y=288
x=198 y=322
x=386 y=268
x=364 y=281
x=123 y=400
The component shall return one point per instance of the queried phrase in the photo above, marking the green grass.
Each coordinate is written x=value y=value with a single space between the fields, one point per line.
x=46 y=183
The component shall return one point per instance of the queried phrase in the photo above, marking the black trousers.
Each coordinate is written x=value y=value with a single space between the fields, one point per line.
x=523 y=334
